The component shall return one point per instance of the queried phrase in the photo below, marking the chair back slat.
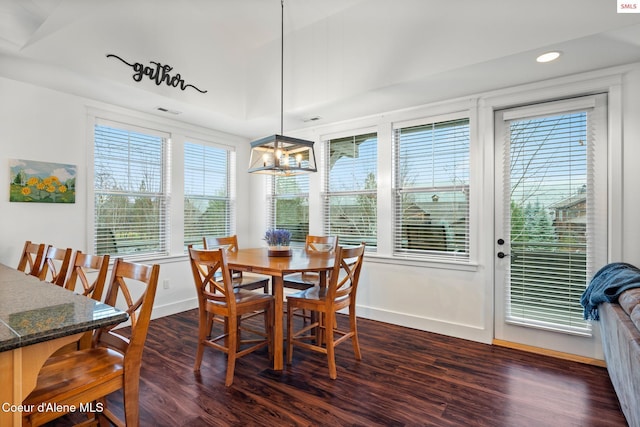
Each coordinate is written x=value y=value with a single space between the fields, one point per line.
x=321 y=243
x=126 y=276
x=228 y=243
x=55 y=265
x=83 y=264
x=31 y=258
x=211 y=285
x=346 y=272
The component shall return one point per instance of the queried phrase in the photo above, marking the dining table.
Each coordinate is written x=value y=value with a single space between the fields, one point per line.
x=36 y=319
x=258 y=260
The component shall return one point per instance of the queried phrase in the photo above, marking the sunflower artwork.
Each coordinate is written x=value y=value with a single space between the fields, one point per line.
x=44 y=182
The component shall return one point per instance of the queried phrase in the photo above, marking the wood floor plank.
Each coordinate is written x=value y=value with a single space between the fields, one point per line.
x=406 y=378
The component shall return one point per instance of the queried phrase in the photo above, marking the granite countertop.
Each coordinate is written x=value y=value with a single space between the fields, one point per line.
x=32 y=311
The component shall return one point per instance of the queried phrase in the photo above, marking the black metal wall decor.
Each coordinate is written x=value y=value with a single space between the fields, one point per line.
x=157 y=73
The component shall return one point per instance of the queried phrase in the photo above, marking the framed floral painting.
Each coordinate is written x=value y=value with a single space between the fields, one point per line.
x=43 y=182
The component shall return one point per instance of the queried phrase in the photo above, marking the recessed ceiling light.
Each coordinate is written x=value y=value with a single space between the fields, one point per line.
x=549 y=56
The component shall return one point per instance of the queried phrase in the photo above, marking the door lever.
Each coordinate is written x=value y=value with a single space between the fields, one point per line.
x=502 y=255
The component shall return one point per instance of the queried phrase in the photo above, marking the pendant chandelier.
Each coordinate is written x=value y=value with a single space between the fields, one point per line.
x=278 y=154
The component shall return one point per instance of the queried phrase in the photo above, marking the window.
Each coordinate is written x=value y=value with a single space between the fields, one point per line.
x=288 y=205
x=432 y=190
x=350 y=198
x=131 y=190
x=208 y=202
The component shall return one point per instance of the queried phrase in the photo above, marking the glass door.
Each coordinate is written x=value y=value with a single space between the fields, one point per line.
x=550 y=220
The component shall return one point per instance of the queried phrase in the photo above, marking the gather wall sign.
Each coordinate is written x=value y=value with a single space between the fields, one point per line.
x=158 y=73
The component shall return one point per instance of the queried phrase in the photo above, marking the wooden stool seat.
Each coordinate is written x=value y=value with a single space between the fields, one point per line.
x=64 y=378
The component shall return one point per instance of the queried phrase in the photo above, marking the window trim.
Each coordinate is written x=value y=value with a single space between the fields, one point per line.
x=445 y=258
x=166 y=193
x=231 y=181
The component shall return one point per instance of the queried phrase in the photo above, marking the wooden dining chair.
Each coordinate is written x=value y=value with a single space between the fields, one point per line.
x=113 y=362
x=55 y=265
x=240 y=280
x=31 y=258
x=219 y=301
x=82 y=266
x=340 y=293
x=305 y=280
x=85 y=264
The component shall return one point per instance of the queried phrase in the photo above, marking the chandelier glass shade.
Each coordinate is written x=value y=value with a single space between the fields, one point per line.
x=282 y=155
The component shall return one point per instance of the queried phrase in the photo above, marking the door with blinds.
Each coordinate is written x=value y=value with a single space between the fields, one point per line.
x=551 y=221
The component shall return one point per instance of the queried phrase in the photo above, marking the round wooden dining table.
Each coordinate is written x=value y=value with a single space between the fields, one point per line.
x=257 y=260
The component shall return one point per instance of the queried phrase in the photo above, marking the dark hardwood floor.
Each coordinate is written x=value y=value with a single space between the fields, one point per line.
x=406 y=378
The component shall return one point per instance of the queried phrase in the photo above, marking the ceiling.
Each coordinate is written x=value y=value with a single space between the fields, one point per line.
x=343 y=59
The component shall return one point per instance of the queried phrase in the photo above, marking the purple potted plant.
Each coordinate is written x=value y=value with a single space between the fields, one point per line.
x=278 y=241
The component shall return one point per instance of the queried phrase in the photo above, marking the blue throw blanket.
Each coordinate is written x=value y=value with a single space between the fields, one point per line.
x=607 y=285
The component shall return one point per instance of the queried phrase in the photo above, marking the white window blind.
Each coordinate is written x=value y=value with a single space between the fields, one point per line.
x=553 y=220
x=432 y=190
x=208 y=192
x=289 y=205
x=350 y=198
x=131 y=191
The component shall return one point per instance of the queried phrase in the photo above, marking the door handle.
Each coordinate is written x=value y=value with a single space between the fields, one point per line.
x=502 y=255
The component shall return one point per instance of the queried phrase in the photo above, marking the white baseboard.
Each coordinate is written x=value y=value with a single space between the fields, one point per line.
x=437 y=326
x=174 y=308
x=458 y=330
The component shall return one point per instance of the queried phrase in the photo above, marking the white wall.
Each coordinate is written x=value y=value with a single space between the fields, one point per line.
x=460 y=301
x=40 y=124
x=45 y=125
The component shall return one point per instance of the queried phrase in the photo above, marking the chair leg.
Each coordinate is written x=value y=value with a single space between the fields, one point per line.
x=354 y=331
x=210 y=318
x=204 y=332
x=289 y=334
x=238 y=332
x=232 y=349
x=268 y=328
x=328 y=337
x=130 y=392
